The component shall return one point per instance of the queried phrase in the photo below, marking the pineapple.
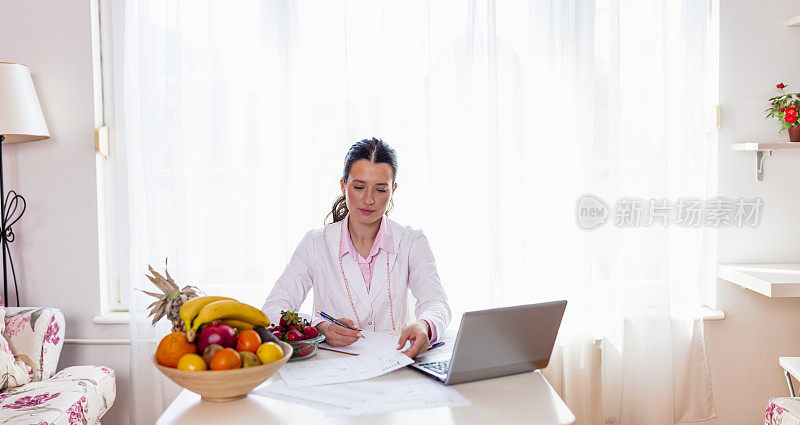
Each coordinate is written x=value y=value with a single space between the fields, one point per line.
x=170 y=301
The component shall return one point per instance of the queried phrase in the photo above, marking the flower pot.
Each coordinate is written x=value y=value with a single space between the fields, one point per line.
x=794 y=134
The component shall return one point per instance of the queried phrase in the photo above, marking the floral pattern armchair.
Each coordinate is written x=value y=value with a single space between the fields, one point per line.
x=783 y=411
x=77 y=395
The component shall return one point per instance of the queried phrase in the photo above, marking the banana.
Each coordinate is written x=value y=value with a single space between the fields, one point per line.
x=238 y=324
x=227 y=309
x=191 y=308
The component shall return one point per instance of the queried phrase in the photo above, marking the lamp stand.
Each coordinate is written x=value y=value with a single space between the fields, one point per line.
x=8 y=206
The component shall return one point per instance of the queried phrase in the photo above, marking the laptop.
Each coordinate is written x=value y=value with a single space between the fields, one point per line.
x=497 y=342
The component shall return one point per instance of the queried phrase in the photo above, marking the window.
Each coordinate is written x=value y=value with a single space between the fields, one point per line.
x=233 y=119
x=230 y=121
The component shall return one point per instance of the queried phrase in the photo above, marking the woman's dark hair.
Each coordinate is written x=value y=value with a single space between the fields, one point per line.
x=375 y=151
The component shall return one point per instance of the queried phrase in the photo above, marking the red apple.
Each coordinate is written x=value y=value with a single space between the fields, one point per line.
x=216 y=333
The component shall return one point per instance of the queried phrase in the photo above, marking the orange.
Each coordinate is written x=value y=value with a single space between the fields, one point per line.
x=172 y=347
x=225 y=359
x=192 y=362
x=248 y=340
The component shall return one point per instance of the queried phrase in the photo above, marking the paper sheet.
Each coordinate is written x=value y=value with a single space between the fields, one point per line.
x=308 y=373
x=373 y=342
x=359 y=398
x=280 y=394
x=416 y=393
x=333 y=397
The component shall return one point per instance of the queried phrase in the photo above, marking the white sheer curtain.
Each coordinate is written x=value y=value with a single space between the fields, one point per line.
x=234 y=117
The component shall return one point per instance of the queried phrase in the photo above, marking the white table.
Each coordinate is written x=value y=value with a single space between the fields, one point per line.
x=522 y=398
x=791 y=367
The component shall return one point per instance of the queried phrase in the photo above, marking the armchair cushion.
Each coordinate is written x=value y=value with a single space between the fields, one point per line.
x=783 y=411
x=13 y=372
x=38 y=334
x=78 y=395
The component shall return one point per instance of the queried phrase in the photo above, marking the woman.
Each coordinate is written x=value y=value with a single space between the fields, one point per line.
x=363 y=264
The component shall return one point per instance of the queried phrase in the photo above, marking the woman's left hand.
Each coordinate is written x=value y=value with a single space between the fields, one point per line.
x=417 y=333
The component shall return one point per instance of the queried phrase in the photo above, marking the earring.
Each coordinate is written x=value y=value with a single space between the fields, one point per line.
x=391 y=205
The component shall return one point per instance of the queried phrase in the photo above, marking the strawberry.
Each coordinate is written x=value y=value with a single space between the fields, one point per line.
x=310 y=332
x=278 y=328
x=289 y=318
x=277 y=334
x=294 y=335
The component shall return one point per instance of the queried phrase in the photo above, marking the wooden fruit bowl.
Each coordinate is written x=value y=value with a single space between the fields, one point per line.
x=225 y=385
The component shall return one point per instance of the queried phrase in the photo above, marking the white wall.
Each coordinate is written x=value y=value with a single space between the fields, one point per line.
x=756 y=52
x=56 y=251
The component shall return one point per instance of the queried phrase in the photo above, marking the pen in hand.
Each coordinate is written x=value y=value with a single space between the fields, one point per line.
x=339 y=322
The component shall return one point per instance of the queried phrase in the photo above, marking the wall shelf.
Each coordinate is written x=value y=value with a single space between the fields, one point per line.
x=793 y=22
x=772 y=280
x=763 y=150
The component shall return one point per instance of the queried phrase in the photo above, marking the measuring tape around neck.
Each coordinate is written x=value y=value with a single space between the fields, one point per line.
x=347 y=284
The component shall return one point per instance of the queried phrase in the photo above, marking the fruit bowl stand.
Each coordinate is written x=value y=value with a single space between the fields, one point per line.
x=225 y=385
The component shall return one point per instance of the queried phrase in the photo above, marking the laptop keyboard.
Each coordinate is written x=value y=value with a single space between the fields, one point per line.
x=441 y=367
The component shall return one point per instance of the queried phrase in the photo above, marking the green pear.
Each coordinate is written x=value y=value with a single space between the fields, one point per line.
x=249 y=359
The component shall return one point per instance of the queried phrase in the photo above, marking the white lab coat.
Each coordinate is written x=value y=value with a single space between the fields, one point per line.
x=315 y=264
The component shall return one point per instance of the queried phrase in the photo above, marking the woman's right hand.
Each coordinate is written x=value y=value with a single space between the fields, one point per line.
x=338 y=336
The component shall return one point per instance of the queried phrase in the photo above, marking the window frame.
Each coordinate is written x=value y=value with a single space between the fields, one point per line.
x=112 y=188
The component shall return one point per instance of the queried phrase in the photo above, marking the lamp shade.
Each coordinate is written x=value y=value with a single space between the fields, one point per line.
x=21 y=118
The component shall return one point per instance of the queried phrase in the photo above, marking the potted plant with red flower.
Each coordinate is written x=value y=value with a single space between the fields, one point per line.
x=784 y=107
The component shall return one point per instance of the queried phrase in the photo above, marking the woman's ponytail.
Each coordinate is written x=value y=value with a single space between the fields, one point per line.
x=339 y=209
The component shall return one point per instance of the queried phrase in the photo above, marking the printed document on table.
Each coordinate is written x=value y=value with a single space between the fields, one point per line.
x=373 y=342
x=332 y=398
x=344 y=369
x=305 y=396
x=415 y=393
x=359 y=398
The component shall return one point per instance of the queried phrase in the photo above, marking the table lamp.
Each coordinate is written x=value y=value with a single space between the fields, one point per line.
x=21 y=120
